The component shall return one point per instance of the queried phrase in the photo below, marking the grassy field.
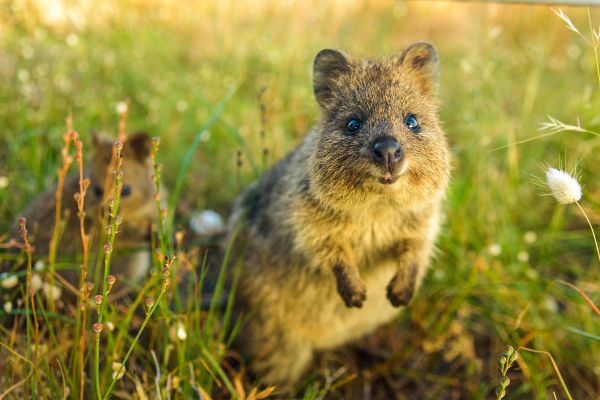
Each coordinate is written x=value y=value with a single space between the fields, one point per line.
x=504 y=249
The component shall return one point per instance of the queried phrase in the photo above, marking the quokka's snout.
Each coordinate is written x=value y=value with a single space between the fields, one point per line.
x=387 y=153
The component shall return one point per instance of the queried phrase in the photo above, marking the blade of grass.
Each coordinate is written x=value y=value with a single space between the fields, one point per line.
x=187 y=158
x=583 y=333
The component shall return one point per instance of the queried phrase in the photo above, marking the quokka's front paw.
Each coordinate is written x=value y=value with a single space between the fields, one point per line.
x=353 y=295
x=350 y=287
x=399 y=292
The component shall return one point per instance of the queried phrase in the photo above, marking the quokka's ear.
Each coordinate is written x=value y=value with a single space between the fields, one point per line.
x=328 y=66
x=421 y=61
x=101 y=147
x=140 y=145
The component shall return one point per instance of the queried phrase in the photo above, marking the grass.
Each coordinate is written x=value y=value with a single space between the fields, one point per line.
x=214 y=80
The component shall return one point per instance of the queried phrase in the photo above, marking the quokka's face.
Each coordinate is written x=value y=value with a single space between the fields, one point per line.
x=136 y=201
x=379 y=130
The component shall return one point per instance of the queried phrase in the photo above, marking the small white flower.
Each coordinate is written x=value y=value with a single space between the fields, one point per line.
x=181 y=333
x=51 y=291
x=36 y=282
x=116 y=366
x=110 y=326
x=564 y=186
x=122 y=107
x=523 y=256
x=8 y=281
x=494 y=249
x=7 y=307
x=530 y=237
x=3 y=182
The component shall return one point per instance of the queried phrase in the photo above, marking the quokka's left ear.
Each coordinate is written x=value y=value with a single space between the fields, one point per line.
x=328 y=66
x=140 y=145
x=421 y=61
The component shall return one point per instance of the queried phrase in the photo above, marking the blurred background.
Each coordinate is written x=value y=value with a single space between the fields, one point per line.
x=504 y=70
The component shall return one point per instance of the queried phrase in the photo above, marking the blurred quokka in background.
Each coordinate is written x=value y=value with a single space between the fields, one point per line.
x=131 y=253
x=338 y=235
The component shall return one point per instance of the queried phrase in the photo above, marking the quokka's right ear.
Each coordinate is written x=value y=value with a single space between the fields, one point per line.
x=328 y=66
x=421 y=60
x=101 y=146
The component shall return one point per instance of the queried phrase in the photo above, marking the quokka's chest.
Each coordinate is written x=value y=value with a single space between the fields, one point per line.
x=373 y=240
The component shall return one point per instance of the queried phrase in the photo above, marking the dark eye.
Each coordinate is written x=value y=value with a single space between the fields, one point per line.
x=98 y=191
x=411 y=123
x=352 y=126
x=126 y=191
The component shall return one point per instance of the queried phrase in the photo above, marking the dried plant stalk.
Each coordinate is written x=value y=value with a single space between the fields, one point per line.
x=62 y=174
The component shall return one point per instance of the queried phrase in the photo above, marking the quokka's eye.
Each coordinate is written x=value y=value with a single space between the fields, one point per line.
x=411 y=123
x=353 y=125
x=125 y=191
x=98 y=191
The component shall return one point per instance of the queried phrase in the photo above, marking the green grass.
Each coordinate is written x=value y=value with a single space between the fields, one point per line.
x=504 y=69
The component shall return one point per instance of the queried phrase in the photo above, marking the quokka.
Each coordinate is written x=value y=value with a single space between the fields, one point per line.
x=131 y=253
x=338 y=235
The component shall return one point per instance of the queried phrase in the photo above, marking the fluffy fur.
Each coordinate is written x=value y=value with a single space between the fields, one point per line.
x=333 y=242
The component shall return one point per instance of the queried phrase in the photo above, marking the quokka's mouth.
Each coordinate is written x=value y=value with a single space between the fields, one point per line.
x=388 y=178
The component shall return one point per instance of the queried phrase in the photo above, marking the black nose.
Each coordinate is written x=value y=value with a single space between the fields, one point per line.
x=387 y=151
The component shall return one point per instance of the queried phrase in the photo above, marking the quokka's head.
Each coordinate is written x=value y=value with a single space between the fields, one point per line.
x=379 y=132
x=137 y=202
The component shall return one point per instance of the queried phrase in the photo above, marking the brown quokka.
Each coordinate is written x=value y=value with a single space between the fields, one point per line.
x=339 y=233
x=131 y=257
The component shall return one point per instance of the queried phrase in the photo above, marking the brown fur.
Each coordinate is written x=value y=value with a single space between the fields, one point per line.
x=330 y=252
x=138 y=209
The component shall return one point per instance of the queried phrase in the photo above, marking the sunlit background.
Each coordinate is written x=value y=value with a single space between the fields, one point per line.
x=504 y=70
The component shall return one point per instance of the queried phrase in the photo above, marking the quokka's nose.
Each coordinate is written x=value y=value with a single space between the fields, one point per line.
x=387 y=151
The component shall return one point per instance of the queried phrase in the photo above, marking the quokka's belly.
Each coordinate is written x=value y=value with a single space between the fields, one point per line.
x=337 y=324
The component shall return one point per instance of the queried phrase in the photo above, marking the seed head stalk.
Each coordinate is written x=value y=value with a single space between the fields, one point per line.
x=84 y=293
x=30 y=302
x=115 y=222
x=156 y=178
x=591 y=228
x=62 y=173
x=166 y=280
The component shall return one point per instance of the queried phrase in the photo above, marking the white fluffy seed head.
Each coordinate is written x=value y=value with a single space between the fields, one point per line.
x=564 y=186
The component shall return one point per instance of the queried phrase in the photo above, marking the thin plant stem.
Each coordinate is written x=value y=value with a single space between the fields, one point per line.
x=554 y=365
x=30 y=301
x=591 y=228
x=58 y=195
x=162 y=237
x=582 y=294
x=115 y=222
x=84 y=295
x=595 y=43
x=165 y=283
